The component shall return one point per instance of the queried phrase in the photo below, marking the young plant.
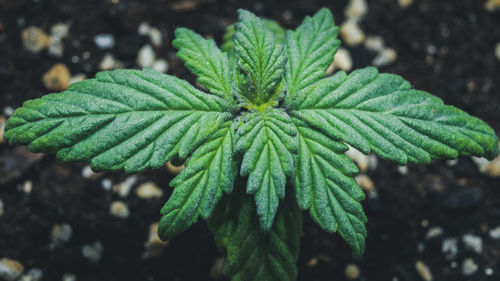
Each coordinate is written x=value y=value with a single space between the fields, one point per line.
x=266 y=140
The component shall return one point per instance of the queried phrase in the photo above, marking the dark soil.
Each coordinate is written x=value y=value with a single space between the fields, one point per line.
x=444 y=47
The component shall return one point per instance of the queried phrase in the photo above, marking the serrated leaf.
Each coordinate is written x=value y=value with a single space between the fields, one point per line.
x=268 y=142
x=325 y=185
x=209 y=172
x=204 y=59
x=253 y=255
x=122 y=119
x=382 y=113
x=310 y=50
x=273 y=26
x=258 y=55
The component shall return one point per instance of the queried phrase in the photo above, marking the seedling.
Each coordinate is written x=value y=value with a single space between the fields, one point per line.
x=264 y=141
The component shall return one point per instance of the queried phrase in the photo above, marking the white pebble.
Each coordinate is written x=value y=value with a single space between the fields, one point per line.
x=109 y=62
x=495 y=233
x=77 y=78
x=488 y=271
x=10 y=269
x=160 y=65
x=434 y=232
x=146 y=56
x=35 y=39
x=144 y=29
x=469 y=267
x=356 y=9
x=106 y=184
x=149 y=190
x=93 y=252
x=34 y=274
x=352 y=33
x=123 y=188
x=452 y=162
x=56 y=47
x=87 y=172
x=450 y=248
x=119 y=209
x=404 y=3
x=104 y=41
x=374 y=43
x=473 y=242
x=155 y=37
x=59 y=30
x=403 y=170
x=8 y=111
x=497 y=50
x=385 y=57
x=485 y=166
x=359 y=158
x=342 y=60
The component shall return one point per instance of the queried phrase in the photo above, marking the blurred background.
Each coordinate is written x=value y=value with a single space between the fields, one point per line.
x=64 y=222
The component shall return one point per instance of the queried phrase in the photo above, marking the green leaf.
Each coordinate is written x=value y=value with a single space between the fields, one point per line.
x=258 y=55
x=122 y=119
x=382 y=113
x=274 y=26
x=209 y=172
x=253 y=255
x=310 y=49
x=325 y=185
x=268 y=142
x=203 y=58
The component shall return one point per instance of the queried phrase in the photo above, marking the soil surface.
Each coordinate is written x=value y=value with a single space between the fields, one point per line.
x=444 y=47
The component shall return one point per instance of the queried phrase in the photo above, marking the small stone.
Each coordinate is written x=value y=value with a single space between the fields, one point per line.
x=312 y=262
x=342 y=60
x=2 y=127
x=160 y=65
x=403 y=170
x=492 y=5
x=60 y=30
x=144 y=29
x=356 y=9
x=488 y=271
x=106 y=184
x=8 y=111
x=35 y=39
x=89 y=174
x=61 y=233
x=77 y=78
x=119 y=209
x=123 y=188
x=146 y=56
x=109 y=62
x=10 y=269
x=352 y=33
x=149 y=190
x=469 y=267
x=424 y=271
x=365 y=183
x=154 y=246
x=497 y=50
x=27 y=187
x=359 y=158
x=287 y=15
x=216 y=271
x=452 y=162
x=1 y=207
x=490 y=168
x=473 y=242
x=405 y=3
x=57 y=77
x=385 y=57
x=56 y=47
x=449 y=247
x=174 y=170
x=434 y=232
x=374 y=43
x=495 y=233
x=34 y=274
x=68 y=277
x=155 y=37
x=104 y=41
x=93 y=252
x=352 y=272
